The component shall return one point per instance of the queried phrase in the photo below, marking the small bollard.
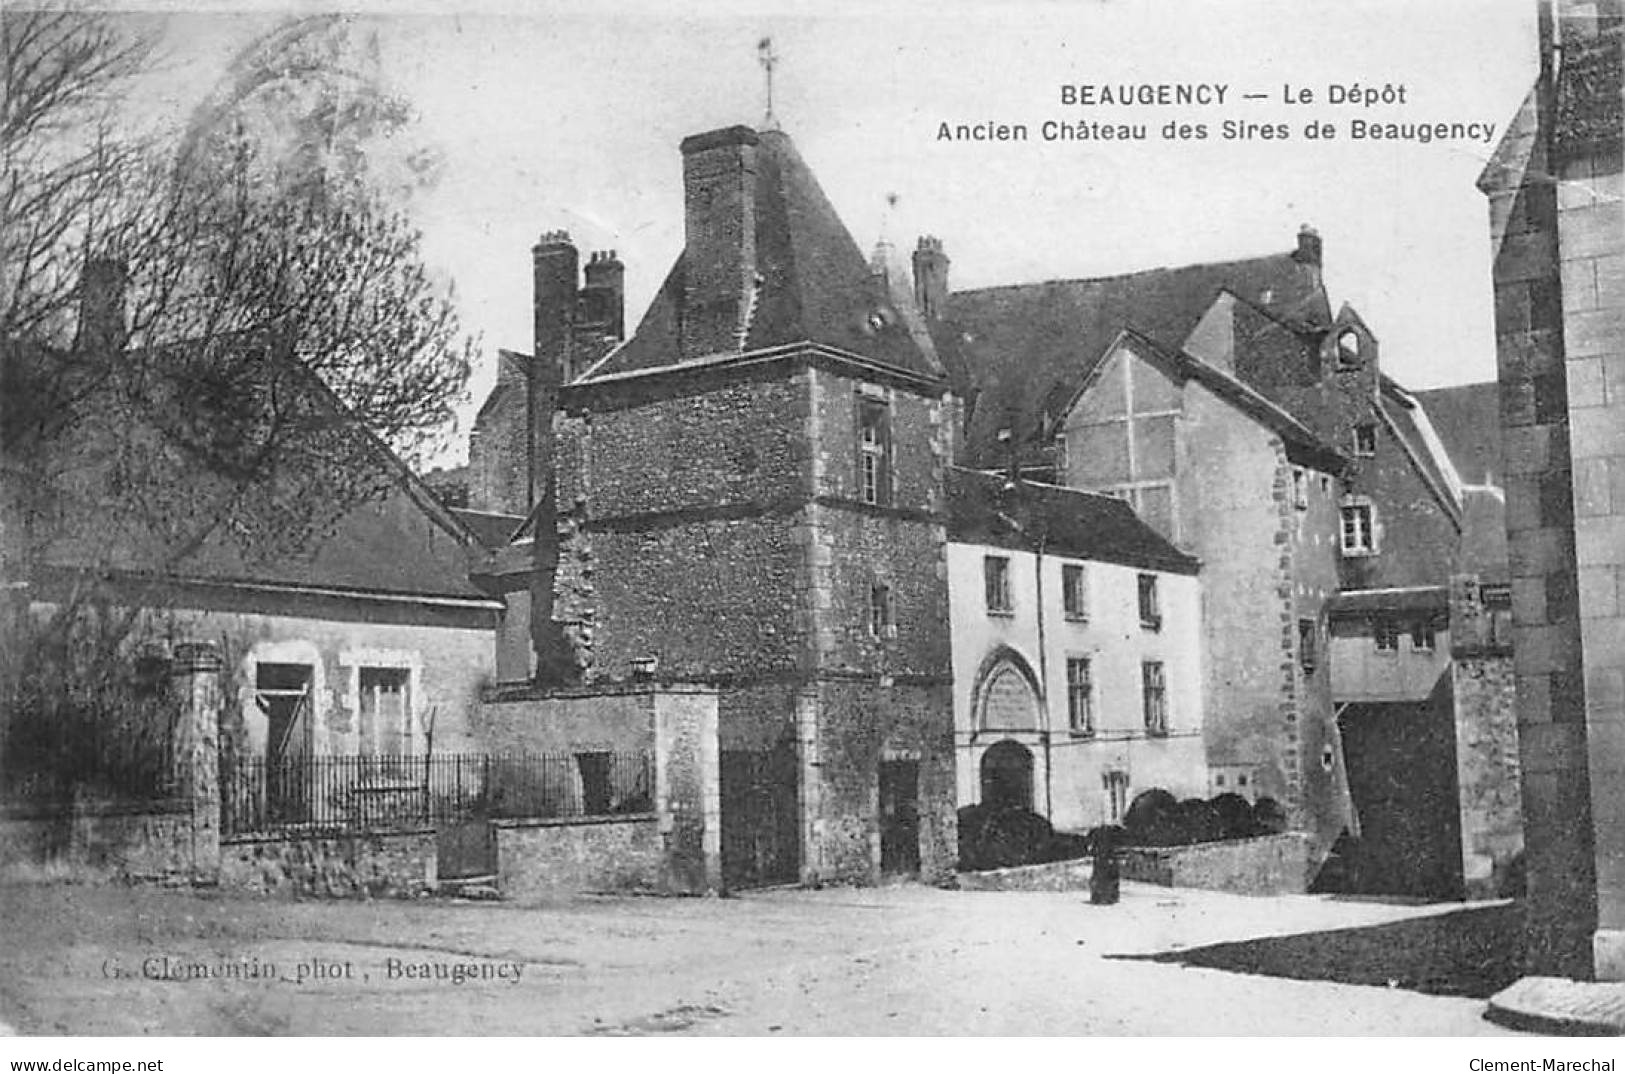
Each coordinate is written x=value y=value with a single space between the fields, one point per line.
x=1105 y=878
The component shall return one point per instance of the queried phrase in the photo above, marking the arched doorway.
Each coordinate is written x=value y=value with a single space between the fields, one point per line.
x=1007 y=776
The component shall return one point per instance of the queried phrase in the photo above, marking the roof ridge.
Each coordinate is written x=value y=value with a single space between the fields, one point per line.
x=1126 y=275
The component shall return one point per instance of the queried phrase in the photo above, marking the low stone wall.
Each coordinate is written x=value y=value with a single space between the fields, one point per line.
x=548 y=858
x=1269 y=865
x=98 y=838
x=381 y=864
x=1070 y=875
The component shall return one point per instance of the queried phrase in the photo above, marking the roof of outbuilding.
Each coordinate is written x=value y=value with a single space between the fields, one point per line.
x=492 y=529
x=988 y=508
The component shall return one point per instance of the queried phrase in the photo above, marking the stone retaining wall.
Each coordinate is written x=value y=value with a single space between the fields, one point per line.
x=1270 y=865
x=146 y=841
x=381 y=864
x=549 y=858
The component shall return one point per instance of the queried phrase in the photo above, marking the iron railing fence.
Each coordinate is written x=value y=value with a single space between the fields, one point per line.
x=356 y=793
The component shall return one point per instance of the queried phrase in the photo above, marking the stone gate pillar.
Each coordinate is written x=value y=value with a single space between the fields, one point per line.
x=195 y=671
x=687 y=789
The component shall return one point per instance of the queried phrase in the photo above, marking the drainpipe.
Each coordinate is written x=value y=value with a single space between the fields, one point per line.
x=1043 y=680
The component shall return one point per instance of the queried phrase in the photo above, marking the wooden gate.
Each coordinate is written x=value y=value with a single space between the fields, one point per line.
x=761 y=824
x=899 y=817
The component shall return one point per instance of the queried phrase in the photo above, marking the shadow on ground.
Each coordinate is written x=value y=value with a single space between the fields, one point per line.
x=1474 y=952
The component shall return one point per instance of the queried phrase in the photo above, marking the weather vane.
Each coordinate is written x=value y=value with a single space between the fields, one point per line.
x=768 y=58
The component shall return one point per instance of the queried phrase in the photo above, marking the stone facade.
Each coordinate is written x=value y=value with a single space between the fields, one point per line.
x=714 y=533
x=1263 y=521
x=1555 y=189
x=711 y=519
x=1011 y=685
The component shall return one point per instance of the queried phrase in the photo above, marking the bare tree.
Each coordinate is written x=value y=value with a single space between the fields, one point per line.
x=218 y=341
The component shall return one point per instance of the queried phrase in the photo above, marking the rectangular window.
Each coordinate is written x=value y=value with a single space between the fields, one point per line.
x=881 y=623
x=1422 y=636
x=1386 y=634
x=1156 y=698
x=874 y=452
x=1498 y=606
x=1300 y=488
x=1307 y=638
x=996 y=583
x=1079 y=696
x=1365 y=439
x=1074 y=591
x=1115 y=783
x=1150 y=607
x=1358 y=529
x=385 y=717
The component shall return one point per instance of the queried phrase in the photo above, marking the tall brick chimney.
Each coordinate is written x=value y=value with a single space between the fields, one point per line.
x=603 y=298
x=1309 y=250
x=930 y=277
x=555 y=277
x=719 y=250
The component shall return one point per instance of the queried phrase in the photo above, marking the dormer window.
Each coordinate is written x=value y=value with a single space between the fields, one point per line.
x=1348 y=348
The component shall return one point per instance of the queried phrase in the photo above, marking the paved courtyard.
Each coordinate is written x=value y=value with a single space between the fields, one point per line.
x=900 y=960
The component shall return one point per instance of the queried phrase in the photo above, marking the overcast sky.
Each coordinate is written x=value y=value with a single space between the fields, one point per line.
x=560 y=118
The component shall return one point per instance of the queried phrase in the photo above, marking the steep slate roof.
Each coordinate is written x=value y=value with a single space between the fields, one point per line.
x=1246 y=398
x=985 y=508
x=1028 y=347
x=1467 y=418
x=400 y=542
x=816 y=285
x=1410 y=422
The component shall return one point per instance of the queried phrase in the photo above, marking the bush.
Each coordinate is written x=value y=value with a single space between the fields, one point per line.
x=1235 y=816
x=1198 y=822
x=998 y=837
x=1153 y=818
x=1268 y=817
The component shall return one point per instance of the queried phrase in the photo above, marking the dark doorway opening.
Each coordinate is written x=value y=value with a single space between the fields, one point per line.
x=900 y=818
x=283 y=693
x=1401 y=761
x=1007 y=776
x=761 y=833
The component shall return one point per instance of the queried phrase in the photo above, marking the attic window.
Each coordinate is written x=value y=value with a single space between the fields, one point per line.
x=1348 y=348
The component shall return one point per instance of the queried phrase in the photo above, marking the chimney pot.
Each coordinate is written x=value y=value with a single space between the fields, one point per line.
x=1309 y=246
x=930 y=277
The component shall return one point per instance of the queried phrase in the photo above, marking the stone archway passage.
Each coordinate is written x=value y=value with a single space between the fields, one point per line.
x=1007 y=776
